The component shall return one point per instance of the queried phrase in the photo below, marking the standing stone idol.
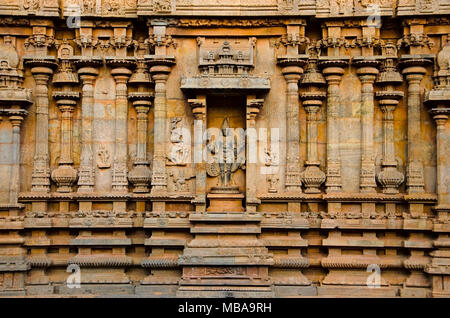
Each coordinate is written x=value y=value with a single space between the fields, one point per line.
x=228 y=157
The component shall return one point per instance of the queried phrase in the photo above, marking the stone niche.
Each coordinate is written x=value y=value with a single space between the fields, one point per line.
x=226 y=182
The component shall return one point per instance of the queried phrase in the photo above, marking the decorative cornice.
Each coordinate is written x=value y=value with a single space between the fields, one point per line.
x=101 y=260
x=160 y=262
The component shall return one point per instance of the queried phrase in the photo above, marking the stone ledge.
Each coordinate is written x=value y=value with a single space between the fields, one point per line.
x=350 y=291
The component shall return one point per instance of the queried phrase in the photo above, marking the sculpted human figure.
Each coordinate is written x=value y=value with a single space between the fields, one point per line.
x=228 y=155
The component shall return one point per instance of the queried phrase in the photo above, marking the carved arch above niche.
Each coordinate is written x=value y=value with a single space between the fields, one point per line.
x=226 y=64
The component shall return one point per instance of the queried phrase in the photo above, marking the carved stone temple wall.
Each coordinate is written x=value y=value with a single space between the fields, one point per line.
x=114 y=115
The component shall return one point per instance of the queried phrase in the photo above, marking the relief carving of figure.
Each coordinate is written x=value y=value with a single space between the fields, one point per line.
x=229 y=155
x=113 y=6
x=285 y=5
x=425 y=5
x=103 y=158
x=179 y=181
x=179 y=153
x=273 y=183
x=89 y=6
x=338 y=7
x=162 y=5
x=31 y=4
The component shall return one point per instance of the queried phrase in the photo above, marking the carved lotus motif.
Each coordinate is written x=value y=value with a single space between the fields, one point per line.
x=312 y=178
x=140 y=176
x=390 y=179
x=64 y=176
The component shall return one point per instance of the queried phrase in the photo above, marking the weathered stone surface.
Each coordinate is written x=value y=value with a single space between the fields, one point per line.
x=203 y=148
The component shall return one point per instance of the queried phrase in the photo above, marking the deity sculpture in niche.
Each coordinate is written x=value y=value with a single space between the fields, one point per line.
x=228 y=155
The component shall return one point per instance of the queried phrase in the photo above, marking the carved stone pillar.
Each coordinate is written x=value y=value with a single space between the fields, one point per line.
x=440 y=116
x=438 y=101
x=88 y=74
x=414 y=72
x=198 y=107
x=312 y=99
x=253 y=108
x=140 y=175
x=292 y=75
x=389 y=177
x=160 y=73
x=65 y=175
x=121 y=74
x=439 y=267
x=42 y=71
x=333 y=71
x=16 y=121
x=367 y=71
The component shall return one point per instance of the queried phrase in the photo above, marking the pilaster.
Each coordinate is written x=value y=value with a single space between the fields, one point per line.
x=389 y=178
x=198 y=107
x=87 y=70
x=367 y=72
x=312 y=99
x=66 y=98
x=253 y=108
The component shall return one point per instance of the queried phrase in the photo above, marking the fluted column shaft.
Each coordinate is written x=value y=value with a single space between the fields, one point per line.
x=333 y=76
x=142 y=123
x=414 y=174
x=367 y=76
x=41 y=169
x=120 y=181
x=65 y=175
x=388 y=136
x=199 y=111
x=312 y=176
x=66 y=109
x=140 y=175
x=253 y=108
x=390 y=178
x=311 y=132
x=440 y=116
x=16 y=121
x=293 y=182
x=442 y=168
x=86 y=170
x=160 y=75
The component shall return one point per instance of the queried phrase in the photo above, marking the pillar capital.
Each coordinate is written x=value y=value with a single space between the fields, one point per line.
x=16 y=120
x=198 y=107
x=388 y=98
x=66 y=98
x=87 y=74
x=415 y=63
x=292 y=73
x=440 y=115
x=367 y=69
x=414 y=74
x=333 y=71
x=41 y=66
x=160 y=66
x=42 y=73
x=121 y=74
x=142 y=106
x=333 y=65
x=297 y=62
x=253 y=108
